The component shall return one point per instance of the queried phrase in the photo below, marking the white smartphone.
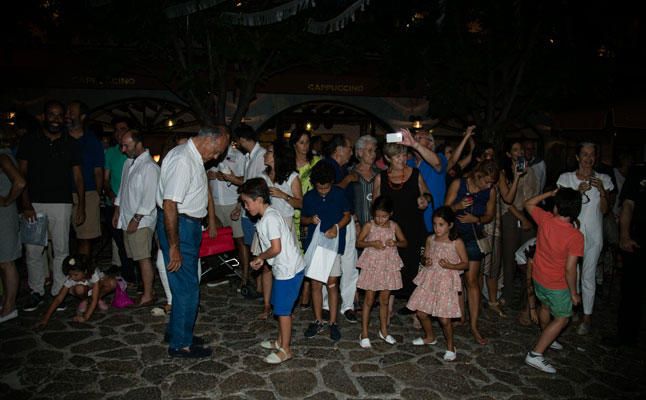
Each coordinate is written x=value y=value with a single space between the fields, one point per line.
x=395 y=137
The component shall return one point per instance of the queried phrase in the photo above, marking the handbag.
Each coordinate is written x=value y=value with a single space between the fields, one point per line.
x=483 y=241
x=34 y=232
x=320 y=255
x=121 y=298
x=221 y=243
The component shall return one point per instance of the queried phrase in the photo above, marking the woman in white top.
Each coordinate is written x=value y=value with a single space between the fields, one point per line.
x=594 y=188
x=286 y=195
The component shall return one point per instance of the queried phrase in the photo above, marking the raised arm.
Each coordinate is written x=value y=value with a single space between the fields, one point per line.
x=457 y=153
x=427 y=154
x=536 y=200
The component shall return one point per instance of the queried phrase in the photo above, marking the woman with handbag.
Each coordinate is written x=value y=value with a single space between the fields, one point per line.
x=473 y=198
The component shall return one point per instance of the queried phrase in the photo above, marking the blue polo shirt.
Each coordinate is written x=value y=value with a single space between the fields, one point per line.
x=330 y=210
x=92 y=157
x=436 y=183
x=339 y=174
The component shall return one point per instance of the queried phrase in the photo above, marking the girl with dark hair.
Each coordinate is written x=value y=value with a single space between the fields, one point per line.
x=286 y=195
x=438 y=283
x=380 y=264
x=473 y=198
x=300 y=140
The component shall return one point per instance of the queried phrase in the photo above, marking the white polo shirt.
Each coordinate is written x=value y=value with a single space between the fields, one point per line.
x=139 y=180
x=254 y=162
x=183 y=180
x=225 y=193
x=289 y=261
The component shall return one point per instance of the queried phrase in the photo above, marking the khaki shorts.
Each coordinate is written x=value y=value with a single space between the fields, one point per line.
x=223 y=212
x=138 y=244
x=336 y=267
x=91 y=228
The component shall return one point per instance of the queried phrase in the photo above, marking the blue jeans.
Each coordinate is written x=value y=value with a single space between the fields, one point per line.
x=184 y=283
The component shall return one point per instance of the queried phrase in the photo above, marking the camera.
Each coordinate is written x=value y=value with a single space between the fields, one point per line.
x=521 y=164
x=395 y=137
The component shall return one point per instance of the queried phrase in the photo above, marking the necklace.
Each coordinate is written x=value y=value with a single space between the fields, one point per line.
x=396 y=186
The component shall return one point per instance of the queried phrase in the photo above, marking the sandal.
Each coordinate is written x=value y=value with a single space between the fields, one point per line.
x=280 y=356
x=264 y=316
x=496 y=306
x=270 y=344
x=421 y=342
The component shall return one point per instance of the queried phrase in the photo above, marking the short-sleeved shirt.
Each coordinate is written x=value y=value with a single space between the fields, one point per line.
x=555 y=241
x=339 y=174
x=114 y=160
x=49 y=169
x=282 y=206
x=96 y=276
x=436 y=183
x=634 y=189
x=225 y=193
x=183 y=180
x=289 y=262
x=329 y=208
x=92 y=157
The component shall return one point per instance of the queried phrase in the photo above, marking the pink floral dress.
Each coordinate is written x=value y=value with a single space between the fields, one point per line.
x=437 y=288
x=380 y=268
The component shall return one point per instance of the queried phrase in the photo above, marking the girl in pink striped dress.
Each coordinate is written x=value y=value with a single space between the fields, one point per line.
x=438 y=283
x=380 y=264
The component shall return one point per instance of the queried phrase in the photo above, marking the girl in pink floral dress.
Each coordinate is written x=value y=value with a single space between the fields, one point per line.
x=380 y=264
x=438 y=283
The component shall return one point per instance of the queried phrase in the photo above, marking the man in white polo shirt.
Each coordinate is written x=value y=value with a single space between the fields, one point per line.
x=183 y=196
x=135 y=210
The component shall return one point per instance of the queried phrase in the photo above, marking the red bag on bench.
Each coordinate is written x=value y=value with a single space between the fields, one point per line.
x=222 y=243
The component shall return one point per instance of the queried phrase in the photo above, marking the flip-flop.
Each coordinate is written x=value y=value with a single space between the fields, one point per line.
x=270 y=344
x=148 y=303
x=278 y=357
x=264 y=315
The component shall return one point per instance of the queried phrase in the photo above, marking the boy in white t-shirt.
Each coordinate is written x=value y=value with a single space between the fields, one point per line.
x=281 y=253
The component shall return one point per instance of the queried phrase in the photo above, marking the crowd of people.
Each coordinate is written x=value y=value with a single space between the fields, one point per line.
x=447 y=229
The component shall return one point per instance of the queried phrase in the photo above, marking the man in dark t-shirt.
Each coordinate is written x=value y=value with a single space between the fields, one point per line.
x=632 y=241
x=50 y=161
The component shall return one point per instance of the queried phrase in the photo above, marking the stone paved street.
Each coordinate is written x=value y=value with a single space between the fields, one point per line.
x=119 y=355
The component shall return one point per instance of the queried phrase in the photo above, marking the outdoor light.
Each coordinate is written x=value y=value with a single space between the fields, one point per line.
x=157 y=157
x=170 y=123
x=287 y=135
x=308 y=126
x=417 y=124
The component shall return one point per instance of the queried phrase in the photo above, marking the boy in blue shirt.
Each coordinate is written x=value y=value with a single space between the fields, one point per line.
x=327 y=205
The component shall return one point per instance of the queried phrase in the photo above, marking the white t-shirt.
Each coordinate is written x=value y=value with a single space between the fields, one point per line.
x=96 y=276
x=225 y=193
x=591 y=218
x=289 y=261
x=284 y=208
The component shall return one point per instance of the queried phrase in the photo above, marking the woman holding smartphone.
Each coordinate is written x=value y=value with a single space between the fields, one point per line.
x=516 y=225
x=595 y=189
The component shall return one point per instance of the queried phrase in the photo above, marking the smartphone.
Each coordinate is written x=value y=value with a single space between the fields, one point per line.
x=395 y=137
x=521 y=164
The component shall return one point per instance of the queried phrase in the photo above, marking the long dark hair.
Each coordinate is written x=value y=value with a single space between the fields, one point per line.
x=507 y=162
x=296 y=135
x=448 y=215
x=284 y=161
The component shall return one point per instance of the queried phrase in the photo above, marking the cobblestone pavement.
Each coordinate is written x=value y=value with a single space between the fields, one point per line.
x=119 y=355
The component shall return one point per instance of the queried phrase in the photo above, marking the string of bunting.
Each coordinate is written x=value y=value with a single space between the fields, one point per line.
x=273 y=15
x=339 y=22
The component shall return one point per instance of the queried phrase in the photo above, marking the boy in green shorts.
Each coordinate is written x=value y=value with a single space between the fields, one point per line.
x=559 y=244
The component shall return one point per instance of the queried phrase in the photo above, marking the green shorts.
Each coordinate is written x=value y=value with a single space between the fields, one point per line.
x=558 y=300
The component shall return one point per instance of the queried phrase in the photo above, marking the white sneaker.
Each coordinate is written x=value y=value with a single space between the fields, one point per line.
x=388 y=339
x=420 y=342
x=364 y=343
x=583 y=329
x=10 y=316
x=538 y=362
x=556 y=346
x=451 y=355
